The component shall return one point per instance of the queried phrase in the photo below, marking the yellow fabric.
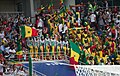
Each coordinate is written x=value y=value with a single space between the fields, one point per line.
x=89 y=40
x=98 y=58
x=93 y=54
x=86 y=52
x=28 y=31
x=56 y=29
x=78 y=13
x=59 y=51
x=88 y=26
x=80 y=48
x=75 y=55
x=19 y=53
x=105 y=59
x=3 y=41
x=83 y=40
x=51 y=24
x=53 y=50
x=118 y=57
x=47 y=49
x=101 y=55
x=72 y=19
x=61 y=15
x=114 y=46
x=89 y=51
x=85 y=35
x=109 y=52
x=64 y=50
x=42 y=49
x=63 y=21
x=31 y=51
x=79 y=35
x=36 y=51
x=68 y=24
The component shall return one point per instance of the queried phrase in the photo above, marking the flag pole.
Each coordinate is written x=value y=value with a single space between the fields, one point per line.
x=30 y=65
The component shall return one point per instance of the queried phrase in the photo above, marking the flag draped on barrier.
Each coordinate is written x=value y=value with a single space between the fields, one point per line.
x=75 y=53
x=19 y=52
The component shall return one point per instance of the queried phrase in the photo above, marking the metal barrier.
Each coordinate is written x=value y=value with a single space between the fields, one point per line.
x=39 y=56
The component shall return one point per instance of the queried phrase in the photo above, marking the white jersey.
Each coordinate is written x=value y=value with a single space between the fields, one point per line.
x=93 y=18
x=65 y=43
x=60 y=27
x=53 y=42
x=47 y=41
x=65 y=29
x=42 y=42
x=40 y=23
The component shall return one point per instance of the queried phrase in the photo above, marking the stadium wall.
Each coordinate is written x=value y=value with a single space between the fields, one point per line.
x=29 y=6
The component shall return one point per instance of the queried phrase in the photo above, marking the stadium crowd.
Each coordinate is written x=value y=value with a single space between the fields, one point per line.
x=96 y=31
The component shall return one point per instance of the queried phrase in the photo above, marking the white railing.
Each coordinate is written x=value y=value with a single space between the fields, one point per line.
x=95 y=70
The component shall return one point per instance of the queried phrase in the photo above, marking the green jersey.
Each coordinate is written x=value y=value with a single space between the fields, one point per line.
x=53 y=42
x=47 y=41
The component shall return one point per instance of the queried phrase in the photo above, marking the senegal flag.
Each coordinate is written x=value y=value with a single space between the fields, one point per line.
x=19 y=52
x=75 y=51
x=27 y=31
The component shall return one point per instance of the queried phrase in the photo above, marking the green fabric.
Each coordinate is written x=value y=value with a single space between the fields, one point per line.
x=47 y=42
x=22 y=31
x=92 y=8
x=19 y=46
x=0 y=51
x=85 y=23
x=52 y=43
x=83 y=57
x=93 y=36
x=50 y=6
x=63 y=10
x=30 y=66
x=106 y=43
x=91 y=43
x=51 y=32
x=115 y=53
x=112 y=25
x=74 y=47
x=95 y=7
x=95 y=58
